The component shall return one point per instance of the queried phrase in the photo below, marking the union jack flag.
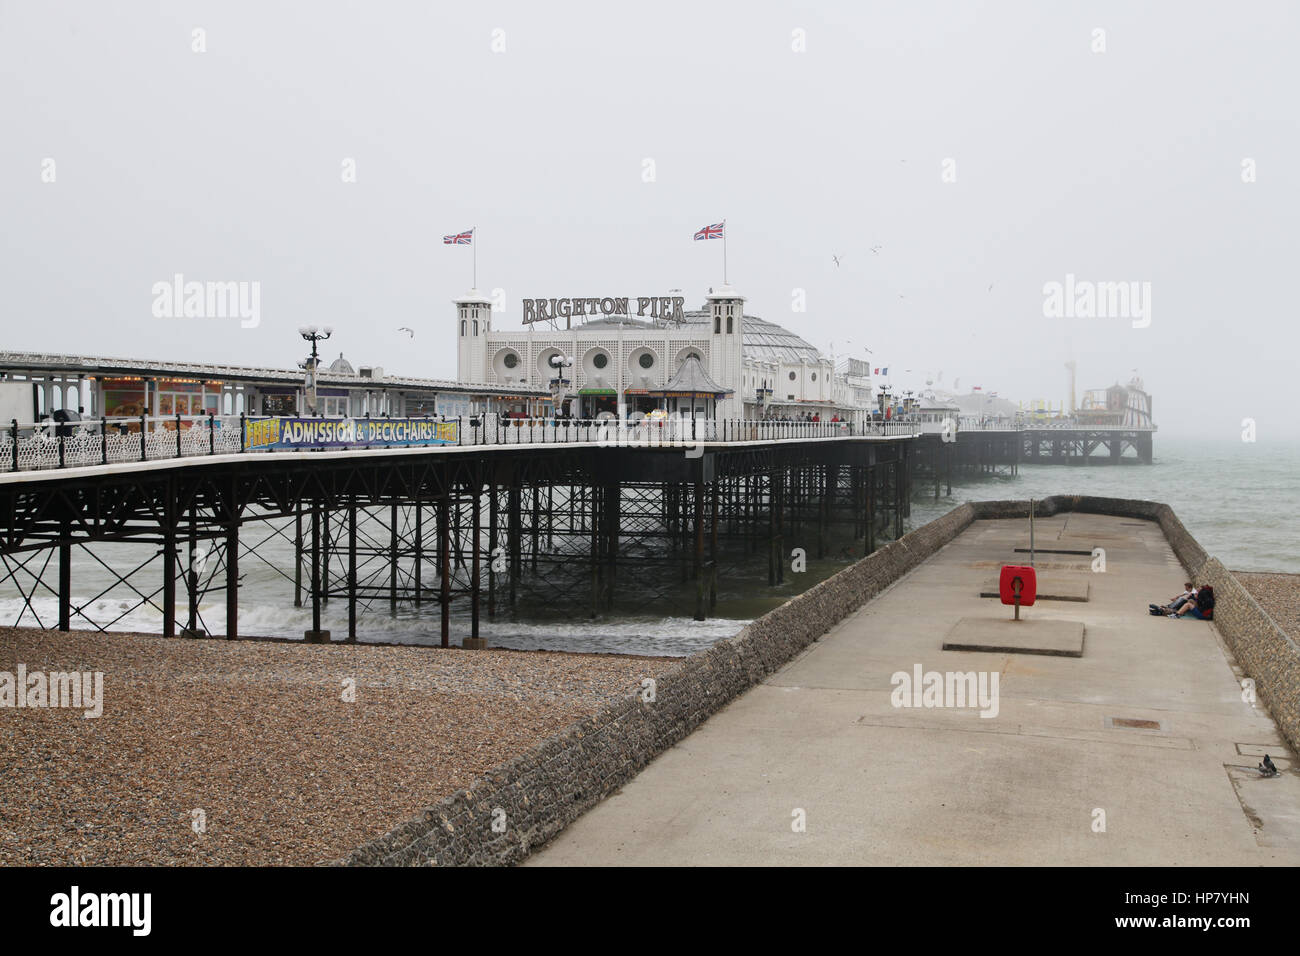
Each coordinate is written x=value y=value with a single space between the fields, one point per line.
x=714 y=231
x=460 y=239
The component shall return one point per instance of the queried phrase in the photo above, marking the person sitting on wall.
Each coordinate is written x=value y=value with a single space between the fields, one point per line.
x=1202 y=608
x=1175 y=603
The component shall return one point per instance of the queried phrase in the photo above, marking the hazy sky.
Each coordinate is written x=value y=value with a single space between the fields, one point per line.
x=228 y=165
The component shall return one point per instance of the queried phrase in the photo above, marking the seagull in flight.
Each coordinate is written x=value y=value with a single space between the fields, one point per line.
x=409 y=332
x=837 y=260
x=875 y=250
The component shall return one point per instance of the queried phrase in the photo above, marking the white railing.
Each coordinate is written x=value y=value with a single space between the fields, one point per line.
x=42 y=445
x=1049 y=426
x=493 y=429
x=47 y=445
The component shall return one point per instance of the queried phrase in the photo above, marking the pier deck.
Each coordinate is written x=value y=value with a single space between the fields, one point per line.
x=887 y=785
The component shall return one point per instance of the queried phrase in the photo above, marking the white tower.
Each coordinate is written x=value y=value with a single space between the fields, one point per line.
x=726 y=354
x=473 y=321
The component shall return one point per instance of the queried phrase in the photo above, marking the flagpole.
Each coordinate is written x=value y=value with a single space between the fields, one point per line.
x=473 y=235
x=724 y=253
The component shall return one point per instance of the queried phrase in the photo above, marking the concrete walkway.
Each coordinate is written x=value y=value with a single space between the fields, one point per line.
x=878 y=784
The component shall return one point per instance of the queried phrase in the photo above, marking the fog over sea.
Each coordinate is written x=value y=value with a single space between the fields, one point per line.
x=1240 y=500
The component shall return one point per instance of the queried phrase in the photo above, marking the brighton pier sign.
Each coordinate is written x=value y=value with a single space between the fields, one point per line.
x=655 y=306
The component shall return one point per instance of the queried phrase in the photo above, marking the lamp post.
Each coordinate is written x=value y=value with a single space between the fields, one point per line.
x=559 y=384
x=313 y=335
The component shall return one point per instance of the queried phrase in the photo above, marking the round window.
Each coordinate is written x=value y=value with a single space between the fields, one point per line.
x=600 y=360
x=647 y=360
x=511 y=360
x=792 y=376
x=814 y=376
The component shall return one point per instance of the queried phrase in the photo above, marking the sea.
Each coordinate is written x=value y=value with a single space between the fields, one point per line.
x=1240 y=500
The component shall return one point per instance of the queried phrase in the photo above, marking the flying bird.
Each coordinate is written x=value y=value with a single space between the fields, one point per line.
x=409 y=332
x=875 y=250
x=990 y=286
x=1267 y=768
x=837 y=260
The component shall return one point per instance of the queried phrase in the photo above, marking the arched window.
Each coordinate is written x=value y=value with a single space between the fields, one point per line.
x=729 y=328
x=462 y=326
x=717 y=323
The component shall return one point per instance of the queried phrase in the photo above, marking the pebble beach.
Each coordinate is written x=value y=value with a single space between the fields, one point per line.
x=212 y=752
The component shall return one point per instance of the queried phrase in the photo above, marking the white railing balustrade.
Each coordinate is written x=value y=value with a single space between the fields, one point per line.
x=38 y=446
x=43 y=445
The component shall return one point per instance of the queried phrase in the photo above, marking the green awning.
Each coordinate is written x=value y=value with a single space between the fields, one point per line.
x=597 y=391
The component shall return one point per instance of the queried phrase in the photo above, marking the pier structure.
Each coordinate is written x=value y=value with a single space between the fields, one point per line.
x=563 y=514
x=942 y=455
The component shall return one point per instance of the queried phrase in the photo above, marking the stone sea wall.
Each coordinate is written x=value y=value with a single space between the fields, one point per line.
x=523 y=804
x=536 y=795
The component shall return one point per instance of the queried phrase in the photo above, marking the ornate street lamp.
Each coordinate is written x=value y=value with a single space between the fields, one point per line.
x=313 y=335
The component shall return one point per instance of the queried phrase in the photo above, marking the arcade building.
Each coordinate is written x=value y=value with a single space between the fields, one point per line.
x=621 y=357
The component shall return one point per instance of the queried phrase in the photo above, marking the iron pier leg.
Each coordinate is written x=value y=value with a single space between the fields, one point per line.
x=297 y=556
x=65 y=579
x=315 y=635
x=871 y=509
x=352 y=569
x=192 y=579
x=169 y=576
x=444 y=568
x=232 y=581
x=392 y=561
x=419 y=547
x=515 y=536
x=492 y=549
x=474 y=566
x=780 y=528
x=713 y=546
x=699 y=550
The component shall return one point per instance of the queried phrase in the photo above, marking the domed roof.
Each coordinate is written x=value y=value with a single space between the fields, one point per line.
x=766 y=341
x=342 y=366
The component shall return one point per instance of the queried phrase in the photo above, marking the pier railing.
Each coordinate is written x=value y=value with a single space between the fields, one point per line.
x=37 y=446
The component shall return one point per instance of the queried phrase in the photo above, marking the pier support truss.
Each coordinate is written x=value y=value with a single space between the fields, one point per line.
x=484 y=532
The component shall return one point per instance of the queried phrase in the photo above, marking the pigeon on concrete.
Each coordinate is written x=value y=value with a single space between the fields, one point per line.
x=1267 y=768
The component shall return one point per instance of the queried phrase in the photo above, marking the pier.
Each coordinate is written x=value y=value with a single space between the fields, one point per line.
x=943 y=455
x=493 y=507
